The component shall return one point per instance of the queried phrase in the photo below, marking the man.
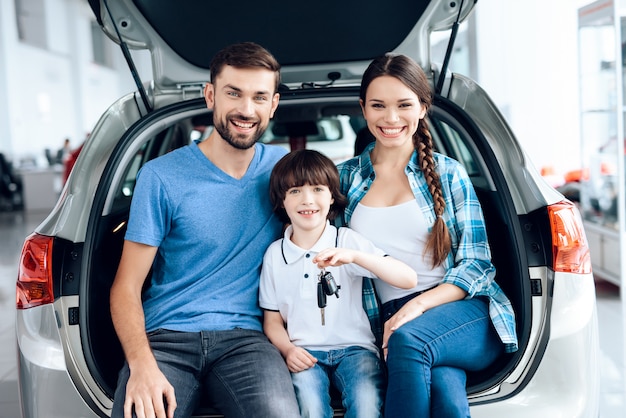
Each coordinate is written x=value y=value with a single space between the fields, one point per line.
x=201 y=218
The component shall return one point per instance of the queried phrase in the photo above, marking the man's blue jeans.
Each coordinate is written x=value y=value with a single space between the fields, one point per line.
x=356 y=372
x=238 y=371
x=427 y=359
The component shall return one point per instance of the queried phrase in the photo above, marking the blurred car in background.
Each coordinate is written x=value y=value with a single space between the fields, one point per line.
x=332 y=136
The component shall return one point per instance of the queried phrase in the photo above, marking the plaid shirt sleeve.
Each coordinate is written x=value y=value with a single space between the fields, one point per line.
x=371 y=304
x=469 y=265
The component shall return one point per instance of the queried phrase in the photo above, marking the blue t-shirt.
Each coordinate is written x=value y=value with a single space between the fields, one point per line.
x=212 y=231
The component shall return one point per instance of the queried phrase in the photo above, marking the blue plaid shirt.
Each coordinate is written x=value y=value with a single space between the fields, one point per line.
x=468 y=265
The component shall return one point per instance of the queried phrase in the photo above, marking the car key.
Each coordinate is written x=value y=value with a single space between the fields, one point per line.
x=321 y=299
x=328 y=283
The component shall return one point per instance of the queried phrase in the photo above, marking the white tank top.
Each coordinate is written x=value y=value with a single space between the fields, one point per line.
x=401 y=232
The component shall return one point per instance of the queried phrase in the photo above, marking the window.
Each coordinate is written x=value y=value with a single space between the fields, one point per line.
x=333 y=136
x=101 y=46
x=455 y=145
x=30 y=17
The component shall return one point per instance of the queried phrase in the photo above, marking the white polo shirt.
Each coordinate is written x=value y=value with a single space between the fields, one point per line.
x=289 y=285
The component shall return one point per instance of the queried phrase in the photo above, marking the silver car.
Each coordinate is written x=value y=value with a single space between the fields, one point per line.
x=69 y=355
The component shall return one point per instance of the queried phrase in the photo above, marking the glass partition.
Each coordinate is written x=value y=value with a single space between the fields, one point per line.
x=601 y=178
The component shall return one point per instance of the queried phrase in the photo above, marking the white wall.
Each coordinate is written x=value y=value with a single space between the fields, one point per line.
x=5 y=132
x=528 y=63
x=56 y=92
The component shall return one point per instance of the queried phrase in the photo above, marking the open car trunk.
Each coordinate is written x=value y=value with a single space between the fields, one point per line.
x=105 y=235
x=310 y=41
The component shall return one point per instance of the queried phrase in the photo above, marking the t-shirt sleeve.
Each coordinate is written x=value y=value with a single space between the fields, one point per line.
x=267 y=286
x=148 y=222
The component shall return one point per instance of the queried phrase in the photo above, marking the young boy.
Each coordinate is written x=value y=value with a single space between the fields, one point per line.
x=323 y=338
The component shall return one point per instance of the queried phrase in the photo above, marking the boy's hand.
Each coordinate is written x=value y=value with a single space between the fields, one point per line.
x=334 y=257
x=298 y=359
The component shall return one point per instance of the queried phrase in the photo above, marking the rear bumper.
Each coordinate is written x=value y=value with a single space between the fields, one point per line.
x=46 y=389
x=567 y=381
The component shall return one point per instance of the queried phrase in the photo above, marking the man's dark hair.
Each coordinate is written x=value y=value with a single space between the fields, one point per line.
x=245 y=55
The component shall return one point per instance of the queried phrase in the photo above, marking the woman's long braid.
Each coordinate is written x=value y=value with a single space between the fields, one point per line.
x=439 y=239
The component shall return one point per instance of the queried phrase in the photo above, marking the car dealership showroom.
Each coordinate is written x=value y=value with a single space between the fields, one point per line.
x=527 y=96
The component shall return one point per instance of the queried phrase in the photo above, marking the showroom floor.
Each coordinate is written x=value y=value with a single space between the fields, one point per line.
x=15 y=226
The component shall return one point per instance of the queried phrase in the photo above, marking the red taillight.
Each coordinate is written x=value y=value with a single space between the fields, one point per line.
x=570 y=248
x=34 y=279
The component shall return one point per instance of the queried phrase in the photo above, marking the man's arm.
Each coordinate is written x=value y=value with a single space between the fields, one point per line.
x=147 y=386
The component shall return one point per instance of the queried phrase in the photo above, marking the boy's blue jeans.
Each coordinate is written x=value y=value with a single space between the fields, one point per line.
x=238 y=371
x=356 y=373
x=427 y=359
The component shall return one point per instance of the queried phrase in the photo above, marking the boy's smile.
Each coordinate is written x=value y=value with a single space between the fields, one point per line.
x=307 y=207
x=308 y=212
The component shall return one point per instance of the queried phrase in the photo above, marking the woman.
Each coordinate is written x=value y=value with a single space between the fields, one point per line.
x=421 y=208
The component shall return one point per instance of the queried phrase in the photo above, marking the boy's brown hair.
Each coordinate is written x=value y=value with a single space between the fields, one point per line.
x=302 y=167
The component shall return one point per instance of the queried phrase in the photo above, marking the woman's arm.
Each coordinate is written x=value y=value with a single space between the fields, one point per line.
x=439 y=295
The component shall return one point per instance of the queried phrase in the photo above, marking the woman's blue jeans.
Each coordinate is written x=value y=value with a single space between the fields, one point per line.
x=427 y=359
x=238 y=371
x=355 y=372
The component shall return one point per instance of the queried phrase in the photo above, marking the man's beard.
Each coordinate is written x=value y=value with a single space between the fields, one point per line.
x=239 y=141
